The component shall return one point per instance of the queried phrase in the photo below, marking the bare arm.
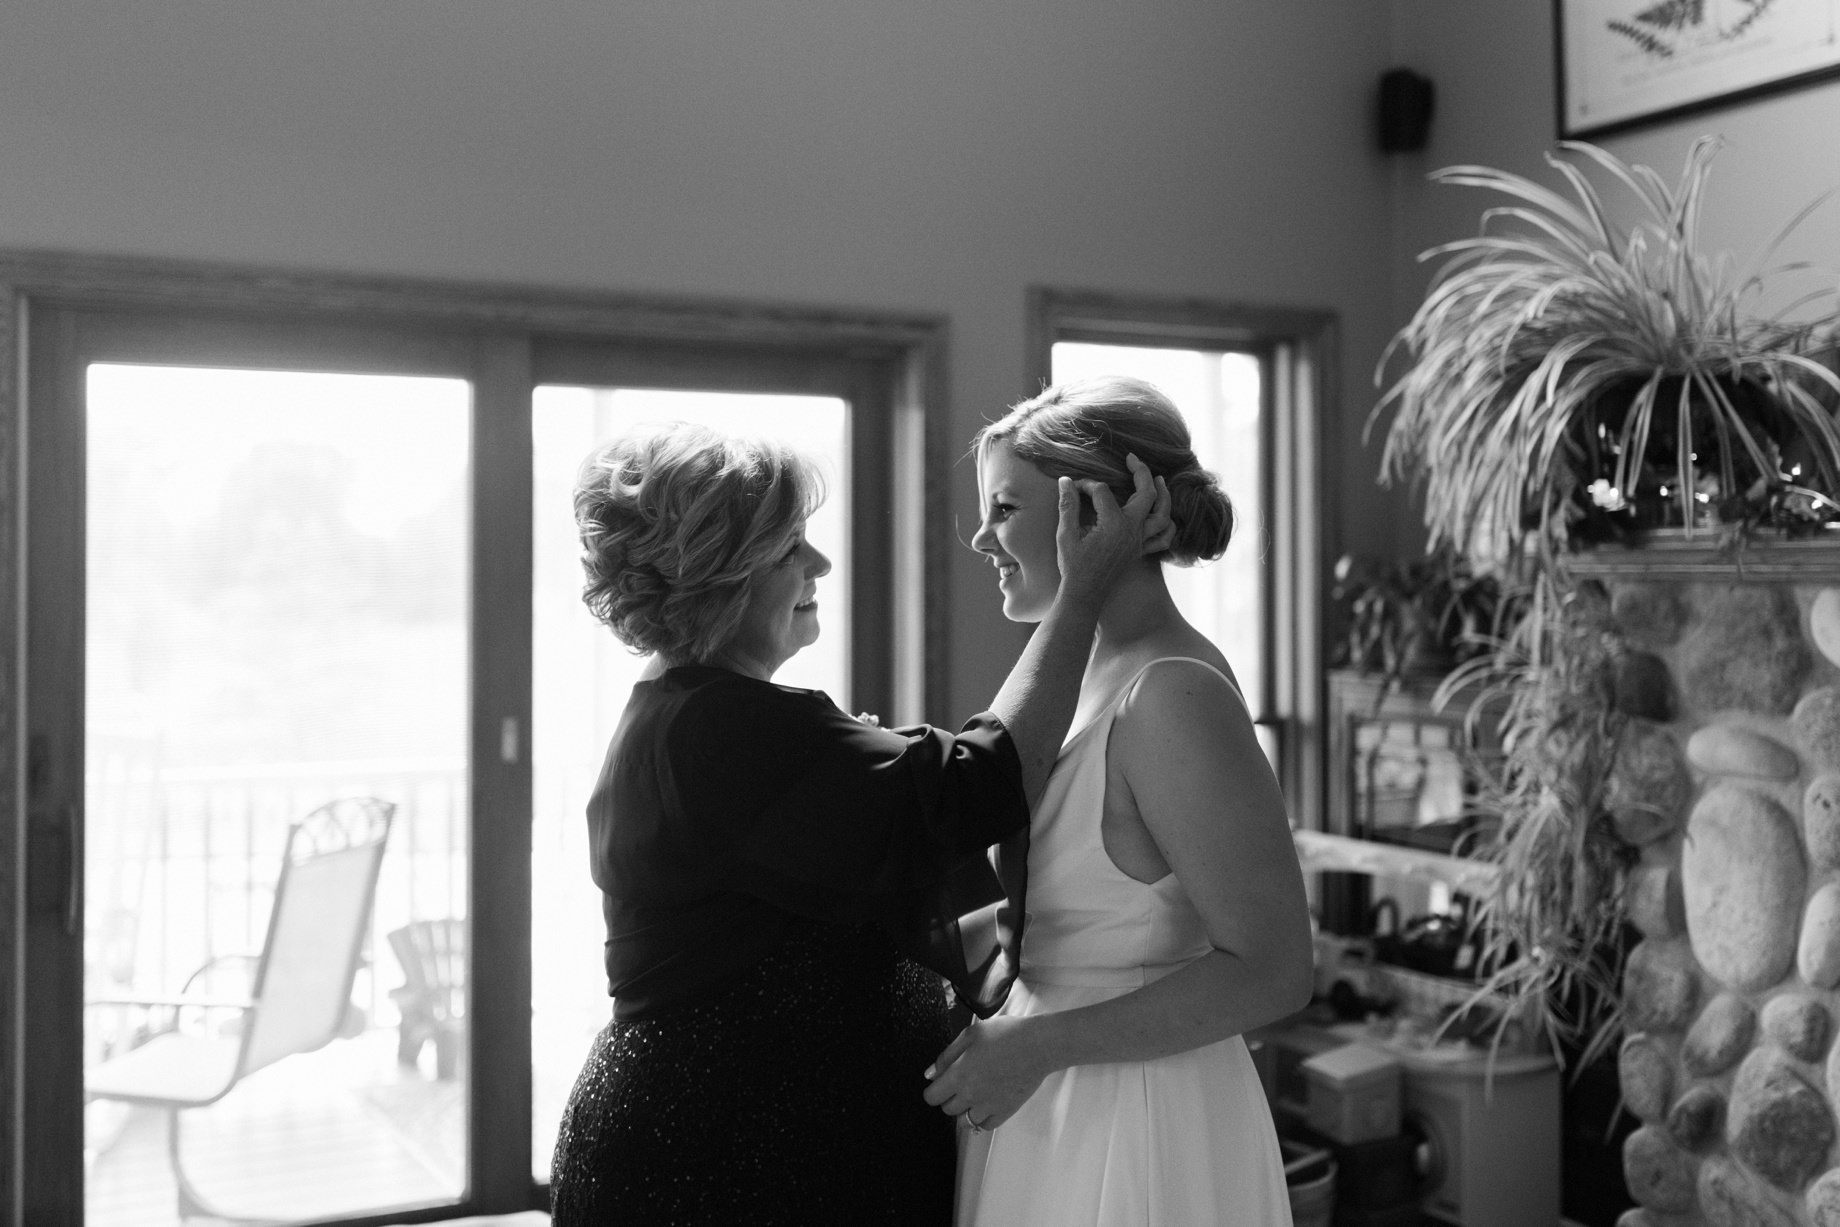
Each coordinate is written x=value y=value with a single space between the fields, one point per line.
x=1037 y=700
x=1220 y=824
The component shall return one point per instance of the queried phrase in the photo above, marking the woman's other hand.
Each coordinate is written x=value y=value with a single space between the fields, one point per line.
x=988 y=1072
x=1093 y=556
x=1159 y=525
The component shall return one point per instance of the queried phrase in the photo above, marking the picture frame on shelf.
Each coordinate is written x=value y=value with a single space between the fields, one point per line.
x=1401 y=782
x=1624 y=63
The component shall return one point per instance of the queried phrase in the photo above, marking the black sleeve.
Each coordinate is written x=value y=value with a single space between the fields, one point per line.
x=839 y=821
x=881 y=812
x=819 y=811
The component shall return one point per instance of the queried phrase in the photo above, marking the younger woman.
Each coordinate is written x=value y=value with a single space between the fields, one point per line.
x=1165 y=906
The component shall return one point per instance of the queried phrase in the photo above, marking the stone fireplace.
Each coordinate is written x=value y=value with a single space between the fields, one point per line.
x=1727 y=786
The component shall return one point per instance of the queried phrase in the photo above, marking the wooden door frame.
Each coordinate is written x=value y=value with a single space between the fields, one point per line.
x=905 y=355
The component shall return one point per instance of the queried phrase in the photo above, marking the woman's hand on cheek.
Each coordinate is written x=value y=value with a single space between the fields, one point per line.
x=988 y=1072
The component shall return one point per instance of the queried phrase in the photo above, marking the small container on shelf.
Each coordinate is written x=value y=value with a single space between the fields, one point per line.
x=1309 y=1175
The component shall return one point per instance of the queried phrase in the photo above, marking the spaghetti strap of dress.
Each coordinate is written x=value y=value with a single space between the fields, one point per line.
x=1216 y=670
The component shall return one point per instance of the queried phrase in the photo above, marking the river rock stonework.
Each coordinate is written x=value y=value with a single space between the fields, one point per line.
x=1649 y=783
x=1743 y=877
x=1731 y=811
x=1720 y=1036
x=1816 y=723
x=1798 y=1023
x=1821 y=823
x=1744 y=649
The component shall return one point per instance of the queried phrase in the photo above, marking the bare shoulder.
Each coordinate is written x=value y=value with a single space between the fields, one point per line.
x=1185 y=688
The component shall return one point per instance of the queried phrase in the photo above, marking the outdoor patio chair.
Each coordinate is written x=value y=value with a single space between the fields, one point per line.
x=296 y=993
x=432 y=997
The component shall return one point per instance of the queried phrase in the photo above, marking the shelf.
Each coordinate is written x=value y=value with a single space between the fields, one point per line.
x=1669 y=554
x=1318 y=850
x=1420 y=1054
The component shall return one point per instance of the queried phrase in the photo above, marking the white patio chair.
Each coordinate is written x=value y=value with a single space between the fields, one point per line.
x=298 y=990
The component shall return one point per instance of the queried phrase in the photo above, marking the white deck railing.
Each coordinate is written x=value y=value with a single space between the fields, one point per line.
x=181 y=864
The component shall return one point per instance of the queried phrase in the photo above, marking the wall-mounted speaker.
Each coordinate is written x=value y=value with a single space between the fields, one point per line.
x=1406 y=101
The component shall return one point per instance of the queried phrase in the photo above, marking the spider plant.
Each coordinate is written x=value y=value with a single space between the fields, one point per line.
x=1420 y=615
x=1567 y=378
x=1564 y=371
x=1552 y=925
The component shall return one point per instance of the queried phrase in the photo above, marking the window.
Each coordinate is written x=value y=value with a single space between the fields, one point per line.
x=309 y=537
x=1247 y=382
x=1218 y=394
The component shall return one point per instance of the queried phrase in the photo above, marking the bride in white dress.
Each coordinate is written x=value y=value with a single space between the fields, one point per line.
x=1165 y=907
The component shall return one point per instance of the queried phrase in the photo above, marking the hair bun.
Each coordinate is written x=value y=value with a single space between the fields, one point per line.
x=1203 y=516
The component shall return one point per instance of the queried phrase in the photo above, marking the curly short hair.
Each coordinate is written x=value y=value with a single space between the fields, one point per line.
x=1084 y=429
x=674 y=522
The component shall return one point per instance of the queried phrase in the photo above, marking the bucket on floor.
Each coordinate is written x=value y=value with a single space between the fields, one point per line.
x=1309 y=1175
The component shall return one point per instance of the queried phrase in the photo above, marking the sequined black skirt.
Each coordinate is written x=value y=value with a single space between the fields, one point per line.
x=794 y=1097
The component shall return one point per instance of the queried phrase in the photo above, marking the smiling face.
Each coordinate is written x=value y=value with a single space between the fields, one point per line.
x=782 y=611
x=1020 y=513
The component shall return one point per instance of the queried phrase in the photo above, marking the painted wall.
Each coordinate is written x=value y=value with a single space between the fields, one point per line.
x=938 y=157
x=1494 y=70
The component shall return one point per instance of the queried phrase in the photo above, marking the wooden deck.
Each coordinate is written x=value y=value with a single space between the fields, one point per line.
x=338 y=1132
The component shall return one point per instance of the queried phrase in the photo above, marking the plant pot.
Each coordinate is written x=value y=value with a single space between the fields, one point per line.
x=1728 y=485
x=1428 y=645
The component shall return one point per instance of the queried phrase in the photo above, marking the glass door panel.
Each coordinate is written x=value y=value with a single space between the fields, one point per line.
x=581 y=676
x=1218 y=394
x=276 y=601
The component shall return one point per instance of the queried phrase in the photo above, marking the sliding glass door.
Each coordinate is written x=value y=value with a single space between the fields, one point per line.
x=250 y=622
x=582 y=675
x=275 y=584
x=311 y=713
x=834 y=408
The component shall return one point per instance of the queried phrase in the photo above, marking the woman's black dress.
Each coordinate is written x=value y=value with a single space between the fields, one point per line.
x=768 y=864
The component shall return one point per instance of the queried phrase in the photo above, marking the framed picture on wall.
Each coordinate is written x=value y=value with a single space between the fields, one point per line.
x=1629 y=62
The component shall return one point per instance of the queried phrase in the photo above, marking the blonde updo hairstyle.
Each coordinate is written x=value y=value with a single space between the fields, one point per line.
x=1084 y=429
x=674 y=522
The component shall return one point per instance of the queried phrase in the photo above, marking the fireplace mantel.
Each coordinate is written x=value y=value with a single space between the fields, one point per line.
x=1705 y=558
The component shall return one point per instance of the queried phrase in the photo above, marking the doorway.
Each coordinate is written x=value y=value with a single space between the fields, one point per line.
x=294 y=539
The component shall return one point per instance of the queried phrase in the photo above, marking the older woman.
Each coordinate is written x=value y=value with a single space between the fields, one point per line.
x=768 y=863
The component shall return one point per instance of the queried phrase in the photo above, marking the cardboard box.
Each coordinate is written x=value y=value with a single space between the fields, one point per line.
x=1353 y=1093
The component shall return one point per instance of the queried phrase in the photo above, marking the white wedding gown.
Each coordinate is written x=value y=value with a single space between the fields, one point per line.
x=1184 y=1141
